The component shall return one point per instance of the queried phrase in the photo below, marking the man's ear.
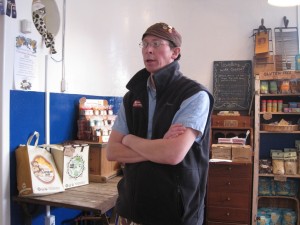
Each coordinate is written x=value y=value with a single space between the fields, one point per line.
x=176 y=52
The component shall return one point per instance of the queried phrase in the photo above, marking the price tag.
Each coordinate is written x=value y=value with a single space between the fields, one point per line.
x=280 y=178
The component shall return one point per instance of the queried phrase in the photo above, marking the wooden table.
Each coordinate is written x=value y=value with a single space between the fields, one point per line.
x=95 y=197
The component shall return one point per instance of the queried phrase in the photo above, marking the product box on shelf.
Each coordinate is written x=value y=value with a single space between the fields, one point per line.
x=72 y=162
x=241 y=153
x=221 y=151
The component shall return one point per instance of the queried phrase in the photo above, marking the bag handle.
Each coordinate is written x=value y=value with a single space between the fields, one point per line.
x=36 y=135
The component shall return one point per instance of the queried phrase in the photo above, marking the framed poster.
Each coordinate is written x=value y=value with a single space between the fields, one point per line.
x=232 y=85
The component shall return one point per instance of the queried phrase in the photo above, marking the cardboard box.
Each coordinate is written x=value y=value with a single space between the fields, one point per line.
x=241 y=153
x=100 y=169
x=72 y=162
x=221 y=151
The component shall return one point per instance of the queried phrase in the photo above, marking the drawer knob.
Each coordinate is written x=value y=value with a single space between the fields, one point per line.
x=229 y=183
x=229 y=168
x=228 y=214
x=228 y=198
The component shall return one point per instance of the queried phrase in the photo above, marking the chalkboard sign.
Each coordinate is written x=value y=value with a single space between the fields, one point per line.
x=232 y=88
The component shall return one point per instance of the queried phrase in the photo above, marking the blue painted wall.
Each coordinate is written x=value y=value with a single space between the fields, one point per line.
x=27 y=114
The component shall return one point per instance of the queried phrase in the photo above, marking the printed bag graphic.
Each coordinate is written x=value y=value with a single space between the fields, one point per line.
x=36 y=170
x=72 y=163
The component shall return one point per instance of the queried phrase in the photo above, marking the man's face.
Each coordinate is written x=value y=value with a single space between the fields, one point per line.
x=157 y=53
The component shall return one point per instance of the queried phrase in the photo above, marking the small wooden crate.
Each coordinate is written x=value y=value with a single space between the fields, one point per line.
x=221 y=151
x=241 y=153
x=100 y=169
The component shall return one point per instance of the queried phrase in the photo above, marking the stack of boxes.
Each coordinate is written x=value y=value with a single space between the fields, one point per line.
x=95 y=121
x=233 y=152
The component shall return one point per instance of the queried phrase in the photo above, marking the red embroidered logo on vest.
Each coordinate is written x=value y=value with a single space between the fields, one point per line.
x=137 y=104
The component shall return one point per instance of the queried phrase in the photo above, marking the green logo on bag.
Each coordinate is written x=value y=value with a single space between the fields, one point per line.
x=75 y=166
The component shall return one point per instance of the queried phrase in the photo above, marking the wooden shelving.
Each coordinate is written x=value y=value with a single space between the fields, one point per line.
x=265 y=140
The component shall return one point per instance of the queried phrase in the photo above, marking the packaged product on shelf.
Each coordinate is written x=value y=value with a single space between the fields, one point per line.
x=290 y=163
x=266 y=186
x=287 y=188
x=264 y=87
x=265 y=166
x=289 y=217
x=263 y=219
x=278 y=162
x=95 y=121
x=285 y=87
x=221 y=151
x=273 y=87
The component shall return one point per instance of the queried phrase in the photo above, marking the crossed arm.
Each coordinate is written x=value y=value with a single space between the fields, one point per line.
x=171 y=149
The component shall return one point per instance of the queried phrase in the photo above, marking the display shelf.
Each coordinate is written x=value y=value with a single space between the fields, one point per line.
x=274 y=175
x=265 y=140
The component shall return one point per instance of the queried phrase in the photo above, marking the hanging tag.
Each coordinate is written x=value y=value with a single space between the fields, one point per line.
x=8 y=8
x=14 y=9
x=1 y=7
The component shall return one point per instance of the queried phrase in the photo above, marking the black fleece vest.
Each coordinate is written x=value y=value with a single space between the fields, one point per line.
x=159 y=194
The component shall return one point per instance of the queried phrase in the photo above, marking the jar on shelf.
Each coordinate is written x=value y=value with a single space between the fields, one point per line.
x=279 y=105
x=274 y=106
x=263 y=105
x=269 y=105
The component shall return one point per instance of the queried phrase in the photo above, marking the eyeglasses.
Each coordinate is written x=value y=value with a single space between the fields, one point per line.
x=154 y=44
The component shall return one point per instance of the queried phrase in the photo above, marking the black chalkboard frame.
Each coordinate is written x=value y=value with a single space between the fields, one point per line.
x=232 y=85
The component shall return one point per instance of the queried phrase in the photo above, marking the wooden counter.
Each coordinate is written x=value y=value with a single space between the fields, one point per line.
x=99 y=197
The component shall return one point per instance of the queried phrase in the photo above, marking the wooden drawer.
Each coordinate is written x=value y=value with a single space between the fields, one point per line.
x=231 y=121
x=229 y=199
x=229 y=185
x=217 y=170
x=233 y=215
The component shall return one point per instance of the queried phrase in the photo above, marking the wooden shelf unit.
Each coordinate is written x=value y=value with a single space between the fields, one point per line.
x=261 y=135
x=229 y=190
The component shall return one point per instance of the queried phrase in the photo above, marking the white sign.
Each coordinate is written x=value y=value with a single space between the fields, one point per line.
x=25 y=66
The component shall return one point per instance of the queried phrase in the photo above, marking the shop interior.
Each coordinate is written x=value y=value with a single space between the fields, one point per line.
x=78 y=72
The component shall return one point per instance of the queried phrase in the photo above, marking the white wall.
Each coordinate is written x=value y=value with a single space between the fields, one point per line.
x=101 y=38
x=102 y=50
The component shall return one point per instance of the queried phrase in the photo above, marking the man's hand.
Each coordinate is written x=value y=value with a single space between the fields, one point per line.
x=174 y=131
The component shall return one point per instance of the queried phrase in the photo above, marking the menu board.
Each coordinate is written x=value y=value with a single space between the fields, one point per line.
x=232 y=85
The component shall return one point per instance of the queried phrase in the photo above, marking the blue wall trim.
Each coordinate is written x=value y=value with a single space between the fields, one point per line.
x=27 y=114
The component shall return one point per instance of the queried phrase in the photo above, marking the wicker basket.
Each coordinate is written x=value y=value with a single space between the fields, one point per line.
x=280 y=128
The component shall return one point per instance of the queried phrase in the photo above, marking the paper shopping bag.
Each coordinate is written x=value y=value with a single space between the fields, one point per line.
x=72 y=161
x=36 y=170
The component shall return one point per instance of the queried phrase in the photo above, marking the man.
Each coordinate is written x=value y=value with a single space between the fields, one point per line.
x=161 y=135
